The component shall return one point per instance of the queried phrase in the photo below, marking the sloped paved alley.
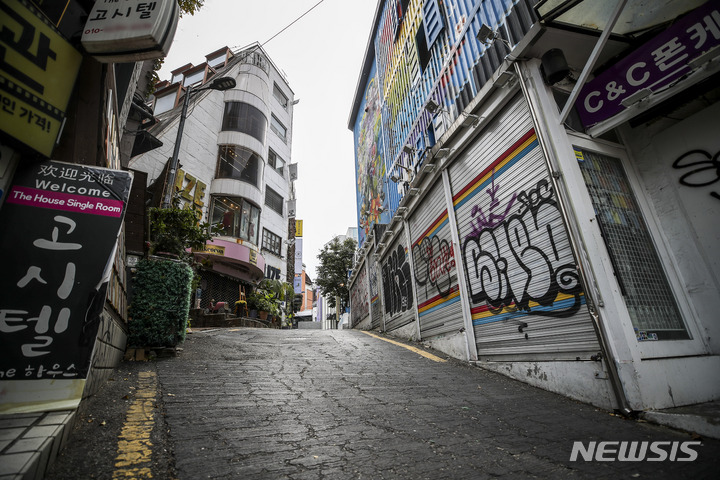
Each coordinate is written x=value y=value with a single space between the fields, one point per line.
x=252 y=403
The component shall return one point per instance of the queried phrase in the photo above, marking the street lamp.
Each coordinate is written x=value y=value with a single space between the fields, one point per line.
x=220 y=83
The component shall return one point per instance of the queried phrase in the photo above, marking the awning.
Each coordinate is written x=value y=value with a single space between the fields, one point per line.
x=233 y=259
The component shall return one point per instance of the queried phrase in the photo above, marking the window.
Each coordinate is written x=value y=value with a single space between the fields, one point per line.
x=243 y=117
x=278 y=128
x=238 y=163
x=165 y=103
x=274 y=200
x=275 y=162
x=194 y=79
x=236 y=217
x=271 y=242
x=280 y=96
x=643 y=284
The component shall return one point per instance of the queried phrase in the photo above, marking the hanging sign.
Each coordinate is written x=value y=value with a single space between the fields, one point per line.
x=655 y=65
x=38 y=68
x=298 y=255
x=59 y=227
x=130 y=30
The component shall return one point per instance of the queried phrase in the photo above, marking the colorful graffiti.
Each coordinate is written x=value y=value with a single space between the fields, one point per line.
x=434 y=262
x=370 y=165
x=397 y=289
x=523 y=263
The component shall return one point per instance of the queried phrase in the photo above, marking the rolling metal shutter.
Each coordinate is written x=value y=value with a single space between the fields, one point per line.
x=359 y=297
x=375 y=297
x=525 y=292
x=435 y=275
x=398 y=296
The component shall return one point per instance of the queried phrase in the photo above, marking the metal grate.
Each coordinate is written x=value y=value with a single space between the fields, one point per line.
x=219 y=288
x=638 y=269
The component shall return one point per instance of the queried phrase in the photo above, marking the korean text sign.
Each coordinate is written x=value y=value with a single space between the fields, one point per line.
x=656 y=64
x=38 y=69
x=58 y=228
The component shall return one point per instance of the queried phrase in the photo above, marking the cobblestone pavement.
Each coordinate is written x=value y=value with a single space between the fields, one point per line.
x=293 y=404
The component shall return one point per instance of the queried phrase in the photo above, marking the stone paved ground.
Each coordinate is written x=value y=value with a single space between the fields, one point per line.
x=293 y=404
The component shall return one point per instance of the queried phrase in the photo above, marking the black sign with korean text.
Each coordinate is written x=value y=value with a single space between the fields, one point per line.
x=58 y=232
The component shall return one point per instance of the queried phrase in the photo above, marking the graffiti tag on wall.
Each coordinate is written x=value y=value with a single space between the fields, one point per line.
x=397 y=288
x=524 y=259
x=705 y=173
x=434 y=262
x=359 y=297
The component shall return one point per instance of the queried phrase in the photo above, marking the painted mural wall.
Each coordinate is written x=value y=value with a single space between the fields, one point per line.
x=423 y=49
x=371 y=195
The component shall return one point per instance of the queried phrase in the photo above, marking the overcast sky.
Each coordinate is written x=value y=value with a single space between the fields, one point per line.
x=321 y=55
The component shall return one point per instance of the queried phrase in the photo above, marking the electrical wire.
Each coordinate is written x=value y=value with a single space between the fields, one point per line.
x=292 y=23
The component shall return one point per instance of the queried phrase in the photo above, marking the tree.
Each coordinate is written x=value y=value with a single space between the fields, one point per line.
x=336 y=259
x=173 y=230
x=190 y=6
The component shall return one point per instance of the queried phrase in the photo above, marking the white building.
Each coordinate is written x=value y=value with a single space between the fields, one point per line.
x=234 y=165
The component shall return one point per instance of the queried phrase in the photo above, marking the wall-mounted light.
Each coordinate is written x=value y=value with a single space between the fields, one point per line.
x=470 y=120
x=428 y=168
x=486 y=34
x=706 y=57
x=401 y=211
x=414 y=191
x=504 y=78
x=408 y=149
x=396 y=178
x=432 y=106
x=636 y=97
x=442 y=153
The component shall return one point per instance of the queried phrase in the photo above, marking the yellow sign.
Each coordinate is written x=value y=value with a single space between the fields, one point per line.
x=253 y=257
x=298 y=228
x=38 y=68
x=214 y=249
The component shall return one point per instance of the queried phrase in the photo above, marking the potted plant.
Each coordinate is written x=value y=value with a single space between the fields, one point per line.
x=261 y=302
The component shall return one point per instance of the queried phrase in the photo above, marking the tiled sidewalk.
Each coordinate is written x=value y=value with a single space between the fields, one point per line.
x=30 y=442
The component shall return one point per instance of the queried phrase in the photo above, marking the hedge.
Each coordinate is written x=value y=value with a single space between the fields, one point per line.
x=160 y=304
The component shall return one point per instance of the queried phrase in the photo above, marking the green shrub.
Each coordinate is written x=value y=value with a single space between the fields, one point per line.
x=161 y=303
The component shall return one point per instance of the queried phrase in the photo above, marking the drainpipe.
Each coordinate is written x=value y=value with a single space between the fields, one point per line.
x=575 y=244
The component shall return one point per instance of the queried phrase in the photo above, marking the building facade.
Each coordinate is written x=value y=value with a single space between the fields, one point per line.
x=537 y=196
x=234 y=166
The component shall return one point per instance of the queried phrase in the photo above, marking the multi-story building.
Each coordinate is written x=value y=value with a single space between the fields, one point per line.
x=538 y=191
x=234 y=166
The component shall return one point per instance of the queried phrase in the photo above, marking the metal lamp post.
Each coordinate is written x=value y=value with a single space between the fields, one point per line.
x=221 y=83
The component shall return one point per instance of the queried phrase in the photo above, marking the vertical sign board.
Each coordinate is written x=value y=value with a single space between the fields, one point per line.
x=298 y=255
x=58 y=228
x=38 y=69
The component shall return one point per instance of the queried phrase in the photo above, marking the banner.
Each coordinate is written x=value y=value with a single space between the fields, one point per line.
x=298 y=255
x=298 y=228
x=58 y=230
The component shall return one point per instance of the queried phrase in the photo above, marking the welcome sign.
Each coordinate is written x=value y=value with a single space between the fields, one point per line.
x=59 y=228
